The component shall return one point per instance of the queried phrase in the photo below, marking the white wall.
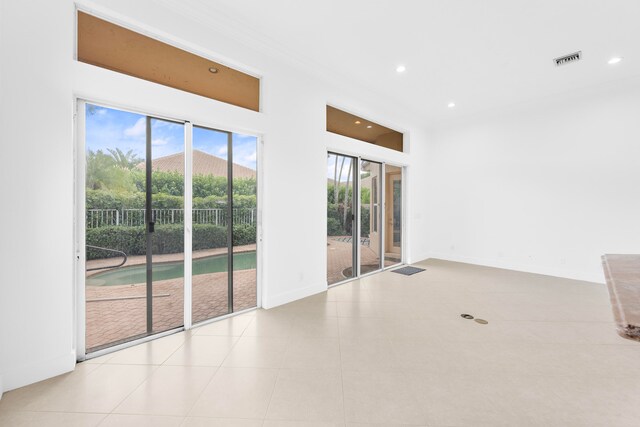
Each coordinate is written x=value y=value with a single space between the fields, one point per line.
x=39 y=82
x=546 y=187
x=36 y=253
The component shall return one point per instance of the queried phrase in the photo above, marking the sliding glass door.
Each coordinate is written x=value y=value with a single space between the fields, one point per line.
x=134 y=187
x=244 y=221
x=341 y=230
x=134 y=228
x=224 y=219
x=393 y=214
x=210 y=277
x=370 y=216
x=363 y=196
x=165 y=225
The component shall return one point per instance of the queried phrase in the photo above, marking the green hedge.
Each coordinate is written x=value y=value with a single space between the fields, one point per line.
x=365 y=193
x=105 y=199
x=334 y=228
x=167 y=239
x=335 y=217
x=172 y=183
x=244 y=234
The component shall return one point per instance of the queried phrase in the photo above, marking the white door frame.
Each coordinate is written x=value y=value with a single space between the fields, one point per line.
x=382 y=183
x=80 y=225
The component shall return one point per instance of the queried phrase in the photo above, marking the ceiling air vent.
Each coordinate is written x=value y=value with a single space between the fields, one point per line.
x=567 y=59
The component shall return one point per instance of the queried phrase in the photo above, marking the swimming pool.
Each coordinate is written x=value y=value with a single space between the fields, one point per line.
x=171 y=270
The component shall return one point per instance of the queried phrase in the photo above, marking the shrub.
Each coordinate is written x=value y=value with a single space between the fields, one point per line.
x=166 y=239
x=106 y=199
x=336 y=217
x=166 y=201
x=209 y=185
x=244 y=186
x=208 y=236
x=365 y=218
x=170 y=183
x=210 y=202
x=130 y=240
x=244 y=201
x=244 y=234
x=333 y=227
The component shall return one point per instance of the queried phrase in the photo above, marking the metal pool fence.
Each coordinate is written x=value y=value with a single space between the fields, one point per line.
x=137 y=217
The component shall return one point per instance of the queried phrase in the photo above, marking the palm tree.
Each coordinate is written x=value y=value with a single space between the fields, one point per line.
x=335 y=183
x=346 y=195
x=336 y=180
x=124 y=160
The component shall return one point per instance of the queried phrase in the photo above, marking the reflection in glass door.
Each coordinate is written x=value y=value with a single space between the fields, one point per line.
x=370 y=216
x=341 y=230
x=134 y=183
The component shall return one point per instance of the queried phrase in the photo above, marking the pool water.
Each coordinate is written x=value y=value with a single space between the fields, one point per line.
x=171 y=270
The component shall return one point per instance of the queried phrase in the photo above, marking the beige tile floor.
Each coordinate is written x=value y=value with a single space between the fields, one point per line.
x=388 y=350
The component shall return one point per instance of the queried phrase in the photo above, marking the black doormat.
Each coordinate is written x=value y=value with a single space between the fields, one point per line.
x=408 y=271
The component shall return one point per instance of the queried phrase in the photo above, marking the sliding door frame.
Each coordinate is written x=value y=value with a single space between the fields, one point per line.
x=79 y=226
x=383 y=204
x=403 y=204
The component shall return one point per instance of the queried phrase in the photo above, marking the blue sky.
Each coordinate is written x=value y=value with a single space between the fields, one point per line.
x=109 y=128
x=331 y=164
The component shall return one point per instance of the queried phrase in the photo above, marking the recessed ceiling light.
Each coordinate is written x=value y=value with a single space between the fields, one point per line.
x=369 y=127
x=401 y=68
x=451 y=104
x=213 y=70
x=614 y=60
x=357 y=122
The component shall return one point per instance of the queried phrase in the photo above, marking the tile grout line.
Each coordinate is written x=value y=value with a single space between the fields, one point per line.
x=155 y=368
x=217 y=369
x=344 y=406
x=275 y=383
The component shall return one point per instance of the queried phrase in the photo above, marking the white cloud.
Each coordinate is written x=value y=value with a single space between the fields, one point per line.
x=160 y=141
x=138 y=129
x=222 y=150
x=158 y=123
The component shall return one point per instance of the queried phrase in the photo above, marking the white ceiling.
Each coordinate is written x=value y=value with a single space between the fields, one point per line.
x=480 y=54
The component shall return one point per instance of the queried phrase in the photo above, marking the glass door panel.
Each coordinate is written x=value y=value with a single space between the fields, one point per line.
x=211 y=222
x=115 y=200
x=245 y=220
x=165 y=287
x=370 y=216
x=341 y=230
x=135 y=225
x=393 y=213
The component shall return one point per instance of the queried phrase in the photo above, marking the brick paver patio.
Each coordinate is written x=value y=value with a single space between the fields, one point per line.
x=118 y=313
x=339 y=258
